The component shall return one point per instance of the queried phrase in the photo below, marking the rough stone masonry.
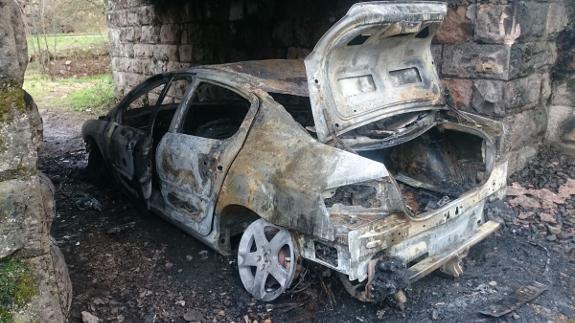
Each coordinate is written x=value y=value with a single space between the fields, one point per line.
x=34 y=281
x=497 y=57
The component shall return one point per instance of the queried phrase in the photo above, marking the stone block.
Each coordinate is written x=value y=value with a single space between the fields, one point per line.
x=145 y=50
x=526 y=58
x=472 y=60
x=526 y=128
x=558 y=17
x=132 y=17
x=564 y=92
x=531 y=16
x=114 y=18
x=133 y=65
x=495 y=24
x=559 y=117
x=125 y=50
x=157 y=67
x=499 y=98
x=130 y=34
x=165 y=52
x=487 y=98
x=185 y=52
x=170 y=34
x=147 y=15
x=116 y=63
x=114 y=36
x=518 y=21
x=150 y=35
x=522 y=93
x=460 y=91
x=456 y=28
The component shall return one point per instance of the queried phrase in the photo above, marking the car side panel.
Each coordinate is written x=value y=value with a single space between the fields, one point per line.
x=281 y=172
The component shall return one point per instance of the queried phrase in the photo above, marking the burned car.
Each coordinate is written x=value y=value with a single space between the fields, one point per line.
x=351 y=158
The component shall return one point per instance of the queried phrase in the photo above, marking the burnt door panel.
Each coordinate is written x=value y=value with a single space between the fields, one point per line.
x=130 y=152
x=191 y=170
x=123 y=143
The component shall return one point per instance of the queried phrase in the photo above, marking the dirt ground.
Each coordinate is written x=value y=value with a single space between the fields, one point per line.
x=127 y=265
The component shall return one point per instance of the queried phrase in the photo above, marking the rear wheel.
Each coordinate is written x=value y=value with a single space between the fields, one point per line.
x=267 y=260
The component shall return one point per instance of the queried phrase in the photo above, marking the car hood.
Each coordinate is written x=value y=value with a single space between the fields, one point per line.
x=374 y=63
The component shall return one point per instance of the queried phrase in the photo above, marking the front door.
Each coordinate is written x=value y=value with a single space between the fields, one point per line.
x=140 y=118
x=193 y=158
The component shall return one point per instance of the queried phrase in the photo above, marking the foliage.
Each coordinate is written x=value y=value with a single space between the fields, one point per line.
x=65 y=16
x=96 y=98
x=17 y=287
x=93 y=94
x=46 y=18
x=70 y=45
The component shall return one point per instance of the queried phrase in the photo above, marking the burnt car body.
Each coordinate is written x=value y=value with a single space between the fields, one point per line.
x=351 y=159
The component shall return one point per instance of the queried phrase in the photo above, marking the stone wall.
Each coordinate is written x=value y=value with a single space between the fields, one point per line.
x=561 y=126
x=34 y=284
x=495 y=56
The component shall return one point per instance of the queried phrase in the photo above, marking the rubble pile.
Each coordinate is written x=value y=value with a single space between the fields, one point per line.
x=540 y=200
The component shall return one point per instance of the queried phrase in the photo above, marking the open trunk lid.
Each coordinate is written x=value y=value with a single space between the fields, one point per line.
x=374 y=63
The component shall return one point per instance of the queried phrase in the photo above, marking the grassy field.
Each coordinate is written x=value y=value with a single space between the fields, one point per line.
x=93 y=94
x=67 y=44
x=71 y=90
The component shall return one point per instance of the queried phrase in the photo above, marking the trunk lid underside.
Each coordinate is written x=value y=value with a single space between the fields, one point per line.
x=374 y=63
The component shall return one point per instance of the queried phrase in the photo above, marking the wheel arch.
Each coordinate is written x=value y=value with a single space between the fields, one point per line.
x=232 y=221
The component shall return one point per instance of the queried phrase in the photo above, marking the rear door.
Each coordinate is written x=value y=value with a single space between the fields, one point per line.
x=194 y=157
x=374 y=63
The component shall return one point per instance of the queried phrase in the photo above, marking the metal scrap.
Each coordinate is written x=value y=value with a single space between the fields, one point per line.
x=512 y=302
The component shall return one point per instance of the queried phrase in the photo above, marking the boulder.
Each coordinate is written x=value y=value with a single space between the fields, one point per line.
x=29 y=258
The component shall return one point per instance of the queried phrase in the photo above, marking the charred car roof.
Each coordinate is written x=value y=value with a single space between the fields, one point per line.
x=286 y=76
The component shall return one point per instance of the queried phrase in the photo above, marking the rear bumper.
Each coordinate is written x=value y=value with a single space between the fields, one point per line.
x=430 y=264
x=425 y=244
x=388 y=274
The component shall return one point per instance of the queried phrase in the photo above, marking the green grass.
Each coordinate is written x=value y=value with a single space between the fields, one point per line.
x=17 y=287
x=94 y=94
x=97 y=97
x=67 y=45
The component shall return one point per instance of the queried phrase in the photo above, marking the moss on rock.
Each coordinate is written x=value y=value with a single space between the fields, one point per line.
x=11 y=101
x=17 y=287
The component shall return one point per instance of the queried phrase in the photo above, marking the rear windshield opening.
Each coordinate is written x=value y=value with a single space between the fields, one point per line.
x=299 y=107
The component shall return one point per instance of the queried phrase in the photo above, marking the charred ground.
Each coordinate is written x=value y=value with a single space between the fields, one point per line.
x=127 y=265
